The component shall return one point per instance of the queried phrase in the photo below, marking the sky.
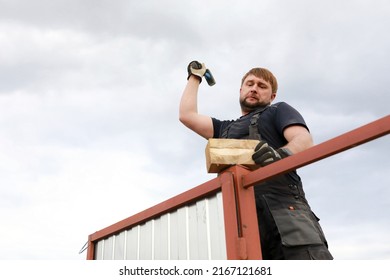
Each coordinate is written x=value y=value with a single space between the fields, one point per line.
x=89 y=98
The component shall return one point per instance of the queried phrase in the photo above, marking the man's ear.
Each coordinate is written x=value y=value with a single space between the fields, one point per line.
x=273 y=96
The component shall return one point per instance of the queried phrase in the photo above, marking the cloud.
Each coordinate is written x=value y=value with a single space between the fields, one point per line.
x=89 y=130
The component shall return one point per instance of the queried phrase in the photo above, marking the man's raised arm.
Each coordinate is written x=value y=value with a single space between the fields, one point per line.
x=188 y=111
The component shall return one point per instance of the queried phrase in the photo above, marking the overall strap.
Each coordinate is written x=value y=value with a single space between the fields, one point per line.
x=225 y=132
x=254 y=127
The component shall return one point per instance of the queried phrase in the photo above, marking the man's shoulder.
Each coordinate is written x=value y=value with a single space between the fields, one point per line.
x=282 y=110
x=282 y=106
x=279 y=104
x=275 y=107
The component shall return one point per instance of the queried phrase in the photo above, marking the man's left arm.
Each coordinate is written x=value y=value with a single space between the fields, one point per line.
x=298 y=138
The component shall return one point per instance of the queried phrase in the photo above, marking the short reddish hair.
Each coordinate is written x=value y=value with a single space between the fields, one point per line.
x=264 y=74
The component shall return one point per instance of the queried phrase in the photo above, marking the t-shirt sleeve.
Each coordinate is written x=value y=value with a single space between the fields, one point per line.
x=217 y=127
x=287 y=116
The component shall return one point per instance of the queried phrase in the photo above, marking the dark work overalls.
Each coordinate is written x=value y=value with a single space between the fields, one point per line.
x=288 y=228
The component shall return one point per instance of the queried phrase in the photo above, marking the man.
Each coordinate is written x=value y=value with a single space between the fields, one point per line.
x=288 y=228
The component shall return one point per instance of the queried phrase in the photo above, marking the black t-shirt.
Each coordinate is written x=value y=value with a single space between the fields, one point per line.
x=273 y=120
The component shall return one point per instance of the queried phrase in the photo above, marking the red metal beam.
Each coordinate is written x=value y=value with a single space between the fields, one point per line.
x=361 y=135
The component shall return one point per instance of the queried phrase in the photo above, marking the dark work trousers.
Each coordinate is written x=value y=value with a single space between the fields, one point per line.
x=289 y=230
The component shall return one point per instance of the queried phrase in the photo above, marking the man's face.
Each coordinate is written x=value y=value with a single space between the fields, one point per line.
x=254 y=93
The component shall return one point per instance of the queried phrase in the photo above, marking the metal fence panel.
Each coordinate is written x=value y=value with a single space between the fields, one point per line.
x=193 y=231
x=131 y=247
x=119 y=246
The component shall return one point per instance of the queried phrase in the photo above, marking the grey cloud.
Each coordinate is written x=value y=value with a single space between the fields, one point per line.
x=122 y=18
x=93 y=89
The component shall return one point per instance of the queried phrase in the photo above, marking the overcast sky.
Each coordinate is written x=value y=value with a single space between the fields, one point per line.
x=89 y=96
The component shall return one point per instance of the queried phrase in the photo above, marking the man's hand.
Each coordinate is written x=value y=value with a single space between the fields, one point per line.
x=197 y=69
x=265 y=154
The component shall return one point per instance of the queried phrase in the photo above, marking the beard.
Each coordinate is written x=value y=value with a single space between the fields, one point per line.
x=250 y=106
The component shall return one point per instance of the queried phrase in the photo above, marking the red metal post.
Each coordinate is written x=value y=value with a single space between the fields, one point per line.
x=90 y=250
x=242 y=235
x=230 y=216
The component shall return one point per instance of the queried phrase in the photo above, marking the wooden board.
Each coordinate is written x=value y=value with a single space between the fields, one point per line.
x=222 y=153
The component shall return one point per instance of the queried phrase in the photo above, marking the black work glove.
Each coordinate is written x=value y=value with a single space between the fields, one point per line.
x=199 y=70
x=265 y=154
